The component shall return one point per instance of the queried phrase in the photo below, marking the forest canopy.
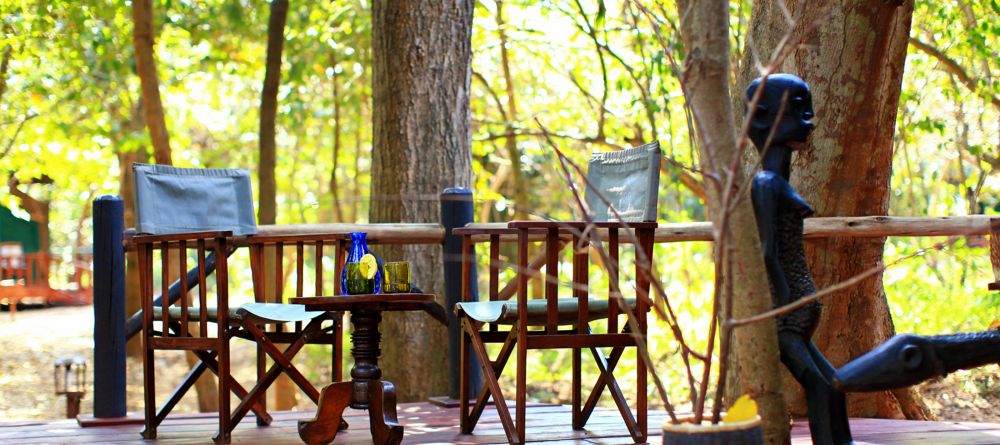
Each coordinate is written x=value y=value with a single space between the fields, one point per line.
x=592 y=72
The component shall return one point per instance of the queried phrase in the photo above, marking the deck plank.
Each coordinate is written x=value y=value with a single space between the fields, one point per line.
x=426 y=423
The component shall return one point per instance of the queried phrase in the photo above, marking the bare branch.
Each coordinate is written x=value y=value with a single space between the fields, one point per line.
x=17 y=131
x=953 y=67
x=846 y=284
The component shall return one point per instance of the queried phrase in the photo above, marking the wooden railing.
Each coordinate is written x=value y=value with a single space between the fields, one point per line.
x=46 y=277
x=457 y=210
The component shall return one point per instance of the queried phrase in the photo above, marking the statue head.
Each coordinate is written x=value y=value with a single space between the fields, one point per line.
x=795 y=122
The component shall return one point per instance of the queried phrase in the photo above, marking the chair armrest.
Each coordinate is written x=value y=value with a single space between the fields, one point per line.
x=174 y=237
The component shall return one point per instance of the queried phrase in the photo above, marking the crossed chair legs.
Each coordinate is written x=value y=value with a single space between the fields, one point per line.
x=282 y=364
x=207 y=360
x=581 y=414
x=253 y=400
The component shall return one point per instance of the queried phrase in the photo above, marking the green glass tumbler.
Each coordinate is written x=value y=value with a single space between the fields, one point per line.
x=356 y=282
x=396 y=278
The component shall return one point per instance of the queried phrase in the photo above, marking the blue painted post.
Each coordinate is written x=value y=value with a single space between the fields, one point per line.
x=457 y=211
x=109 y=307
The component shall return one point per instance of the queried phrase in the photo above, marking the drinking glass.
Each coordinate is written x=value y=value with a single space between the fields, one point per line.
x=356 y=282
x=396 y=278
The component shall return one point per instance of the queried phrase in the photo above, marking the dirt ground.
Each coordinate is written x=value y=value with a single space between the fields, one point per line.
x=38 y=337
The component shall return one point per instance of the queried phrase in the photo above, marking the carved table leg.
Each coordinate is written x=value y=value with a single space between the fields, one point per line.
x=382 y=413
x=323 y=428
x=365 y=350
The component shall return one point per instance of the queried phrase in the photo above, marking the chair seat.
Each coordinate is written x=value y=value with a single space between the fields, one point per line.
x=505 y=312
x=280 y=313
x=263 y=313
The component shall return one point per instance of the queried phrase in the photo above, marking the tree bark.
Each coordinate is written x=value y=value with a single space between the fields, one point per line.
x=706 y=79
x=266 y=211
x=336 y=207
x=854 y=64
x=284 y=392
x=145 y=64
x=519 y=184
x=422 y=144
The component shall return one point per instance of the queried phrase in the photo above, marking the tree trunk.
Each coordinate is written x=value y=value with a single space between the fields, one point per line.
x=422 y=145
x=336 y=207
x=284 y=392
x=706 y=79
x=126 y=189
x=854 y=64
x=519 y=184
x=145 y=65
x=266 y=211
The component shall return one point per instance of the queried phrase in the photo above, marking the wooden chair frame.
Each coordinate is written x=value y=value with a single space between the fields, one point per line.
x=578 y=337
x=174 y=333
x=267 y=333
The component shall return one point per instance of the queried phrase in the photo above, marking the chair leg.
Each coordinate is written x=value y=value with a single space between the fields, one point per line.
x=490 y=377
x=193 y=375
x=225 y=428
x=241 y=393
x=608 y=379
x=261 y=369
x=149 y=391
x=522 y=383
x=282 y=363
x=501 y=361
x=463 y=383
x=576 y=397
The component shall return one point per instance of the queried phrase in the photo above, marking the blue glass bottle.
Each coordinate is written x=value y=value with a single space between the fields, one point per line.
x=358 y=249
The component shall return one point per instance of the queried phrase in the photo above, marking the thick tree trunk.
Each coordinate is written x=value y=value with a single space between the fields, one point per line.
x=145 y=65
x=854 y=65
x=421 y=70
x=706 y=78
x=284 y=392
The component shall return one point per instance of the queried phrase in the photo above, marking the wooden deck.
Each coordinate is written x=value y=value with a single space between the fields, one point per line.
x=425 y=424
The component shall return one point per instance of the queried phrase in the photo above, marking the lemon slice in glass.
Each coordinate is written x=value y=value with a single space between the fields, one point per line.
x=368 y=266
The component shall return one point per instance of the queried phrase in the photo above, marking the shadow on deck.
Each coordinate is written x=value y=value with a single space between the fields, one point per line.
x=426 y=424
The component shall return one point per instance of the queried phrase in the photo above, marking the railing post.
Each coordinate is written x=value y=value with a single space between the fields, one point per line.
x=457 y=211
x=109 y=307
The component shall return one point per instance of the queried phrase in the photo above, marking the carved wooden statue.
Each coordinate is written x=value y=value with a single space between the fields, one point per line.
x=780 y=124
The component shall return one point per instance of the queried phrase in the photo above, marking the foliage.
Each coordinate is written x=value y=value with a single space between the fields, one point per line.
x=591 y=71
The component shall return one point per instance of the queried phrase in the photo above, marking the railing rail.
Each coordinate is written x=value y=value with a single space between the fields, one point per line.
x=820 y=227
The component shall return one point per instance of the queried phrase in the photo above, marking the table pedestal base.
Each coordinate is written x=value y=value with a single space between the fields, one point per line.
x=366 y=390
x=336 y=397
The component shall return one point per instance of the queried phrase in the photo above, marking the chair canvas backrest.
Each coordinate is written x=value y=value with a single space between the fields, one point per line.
x=183 y=200
x=629 y=179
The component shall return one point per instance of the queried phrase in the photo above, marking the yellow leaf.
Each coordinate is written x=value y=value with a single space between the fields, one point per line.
x=995 y=325
x=368 y=266
x=743 y=410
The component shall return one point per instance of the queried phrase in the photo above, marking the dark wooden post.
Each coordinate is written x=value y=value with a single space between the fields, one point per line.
x=109 y=307
x=457 y=211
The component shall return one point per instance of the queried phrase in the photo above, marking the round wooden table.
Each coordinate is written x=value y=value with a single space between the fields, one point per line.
x=366 y=390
